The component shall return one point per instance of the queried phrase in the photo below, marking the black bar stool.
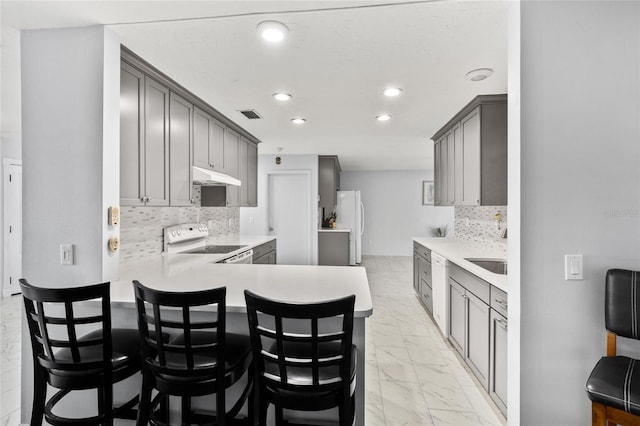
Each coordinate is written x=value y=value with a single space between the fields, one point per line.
x=614 y=384
x=304 y=358
x=203 y=359
x=69 y=360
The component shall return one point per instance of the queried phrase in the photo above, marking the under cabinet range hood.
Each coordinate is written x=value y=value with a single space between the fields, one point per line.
x=209 y=177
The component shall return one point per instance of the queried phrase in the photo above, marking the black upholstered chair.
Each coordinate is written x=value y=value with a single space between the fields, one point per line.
x=200 y=359
x=70 y=357
x=303 y=356
x=614 y=384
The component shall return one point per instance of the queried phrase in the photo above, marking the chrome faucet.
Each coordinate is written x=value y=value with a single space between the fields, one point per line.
x=504 y=233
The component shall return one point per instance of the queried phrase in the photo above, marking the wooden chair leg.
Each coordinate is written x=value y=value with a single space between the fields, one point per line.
x=598 y=414
x=279 y=416
x=263 y=407
x=144 y=407
x=39 y=395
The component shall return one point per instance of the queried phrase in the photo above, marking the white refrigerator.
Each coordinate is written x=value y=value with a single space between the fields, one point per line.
x=350 y=215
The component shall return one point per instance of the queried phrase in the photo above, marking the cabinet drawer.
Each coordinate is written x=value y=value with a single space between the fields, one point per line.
x=422 y=251
x=427 y=297
x=475 y=285
x=425 y=273
x=499 y=301
x=263 y=249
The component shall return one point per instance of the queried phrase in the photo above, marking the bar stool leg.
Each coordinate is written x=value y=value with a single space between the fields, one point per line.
x=39 y=394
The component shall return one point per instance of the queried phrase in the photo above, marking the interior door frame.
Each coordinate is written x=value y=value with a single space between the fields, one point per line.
x=313 y=242
x=8 y=163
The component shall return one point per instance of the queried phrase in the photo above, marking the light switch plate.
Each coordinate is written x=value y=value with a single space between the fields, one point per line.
x=66 y=254
x=573 y=267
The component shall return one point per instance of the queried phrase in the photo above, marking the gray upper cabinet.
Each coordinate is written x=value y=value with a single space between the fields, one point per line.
x=208 y=141
x=156 y=143
x=248 y=172
x=131 y=136
x=252 y=174
x=231 y=152
x=328 y=182
x=470 y=155
x=180 y=131
x=144 y=135
x=165 y=130
x=231 y=165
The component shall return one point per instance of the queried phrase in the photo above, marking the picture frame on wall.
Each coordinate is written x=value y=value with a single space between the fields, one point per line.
x=428 y=193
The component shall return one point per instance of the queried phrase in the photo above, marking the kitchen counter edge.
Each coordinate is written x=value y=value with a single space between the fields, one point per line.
x=456 y=251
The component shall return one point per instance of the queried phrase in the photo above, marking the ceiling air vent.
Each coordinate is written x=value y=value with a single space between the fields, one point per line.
x=250 y=114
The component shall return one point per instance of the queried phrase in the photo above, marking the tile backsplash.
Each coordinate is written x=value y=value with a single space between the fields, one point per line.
x=476 y=224
x=141 y=227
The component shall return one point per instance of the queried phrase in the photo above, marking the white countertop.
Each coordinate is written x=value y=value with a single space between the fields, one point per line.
x=295 y=283
x=457 y=250
x=333 y=230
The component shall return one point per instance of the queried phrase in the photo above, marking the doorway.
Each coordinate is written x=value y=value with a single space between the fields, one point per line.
x=12 y=229
x=289 y=216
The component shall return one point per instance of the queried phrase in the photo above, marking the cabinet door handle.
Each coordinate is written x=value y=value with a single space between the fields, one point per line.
x=502 y=323
x=502 y=303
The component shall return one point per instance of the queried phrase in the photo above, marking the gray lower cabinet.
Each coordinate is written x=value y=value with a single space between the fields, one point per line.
x=333 y=248
x=469 y=320
x=422 y=275
x=498 y=357
x=498 y=349
x=265 y=253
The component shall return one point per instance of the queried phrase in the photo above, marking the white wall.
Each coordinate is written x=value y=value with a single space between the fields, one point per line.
x=70 y=121
x=10 y=117
x=253 y=220
x=580 y=193
x=393 y=210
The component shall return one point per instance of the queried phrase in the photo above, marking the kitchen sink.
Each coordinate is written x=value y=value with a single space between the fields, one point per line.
x=497 y=266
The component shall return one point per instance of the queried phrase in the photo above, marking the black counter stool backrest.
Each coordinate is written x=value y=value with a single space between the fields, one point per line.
x=614 y=384
x=200 y=358
x=303 y=355
x=73 y=349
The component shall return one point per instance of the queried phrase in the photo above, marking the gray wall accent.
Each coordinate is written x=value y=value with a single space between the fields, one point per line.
x=393 y=210
x=70 y=116
x=580 y=116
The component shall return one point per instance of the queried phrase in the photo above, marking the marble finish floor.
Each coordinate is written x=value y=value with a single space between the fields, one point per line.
x=413 y=376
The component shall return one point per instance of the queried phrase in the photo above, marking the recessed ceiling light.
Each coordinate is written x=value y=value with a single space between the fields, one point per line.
x=392 y=91
x=479 y=74
x=282 y=96
x=298 y=120
x=383 y=117
x=272 y=31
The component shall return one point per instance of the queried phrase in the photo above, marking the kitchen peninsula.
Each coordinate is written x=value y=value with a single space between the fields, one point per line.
x=293 y=283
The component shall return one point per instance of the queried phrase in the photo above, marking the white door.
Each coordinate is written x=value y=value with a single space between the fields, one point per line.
x=289 y=217
x=12 y=229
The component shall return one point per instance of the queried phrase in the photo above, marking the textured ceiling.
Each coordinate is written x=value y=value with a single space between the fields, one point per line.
x=335 y=62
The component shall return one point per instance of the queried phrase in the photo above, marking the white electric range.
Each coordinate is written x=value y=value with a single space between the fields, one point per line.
x=192 y=238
